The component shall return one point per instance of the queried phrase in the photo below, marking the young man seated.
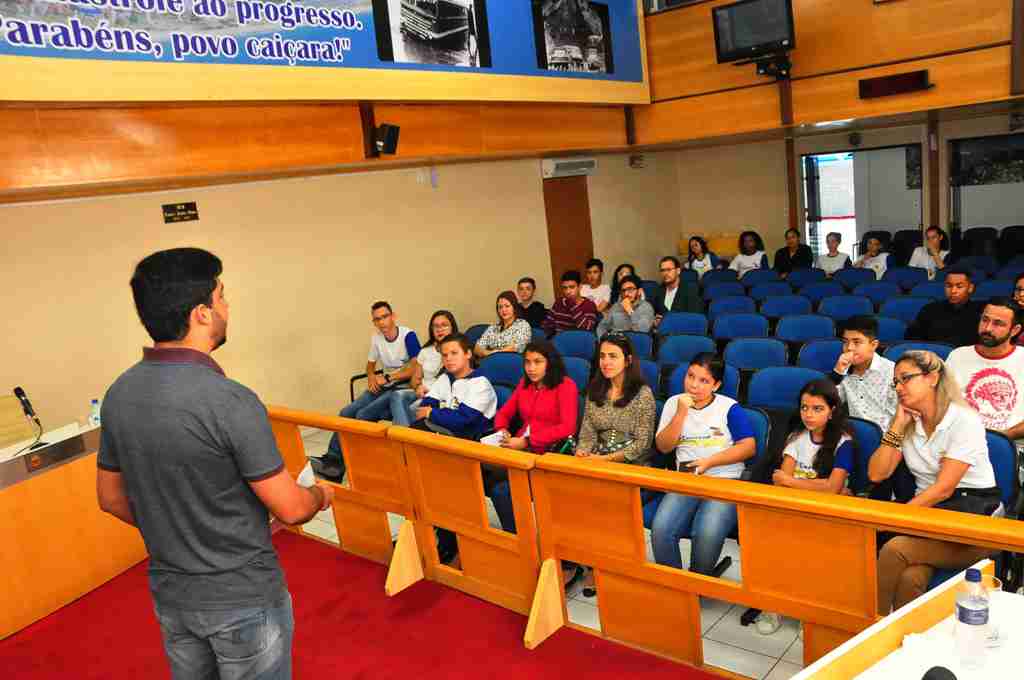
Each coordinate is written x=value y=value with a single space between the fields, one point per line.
x=393 y=347
x=630 y=313
x=571 y=311
x=953 y=320
x=595 y=291
x=533 y=311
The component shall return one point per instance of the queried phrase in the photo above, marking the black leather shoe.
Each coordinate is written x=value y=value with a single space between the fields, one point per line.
x=326 y=469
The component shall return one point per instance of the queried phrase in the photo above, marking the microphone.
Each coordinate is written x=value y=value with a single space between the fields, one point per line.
x=939 y=673
x=26 y=405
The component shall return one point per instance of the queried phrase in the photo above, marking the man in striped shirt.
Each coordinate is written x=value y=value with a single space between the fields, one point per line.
x=571 y=311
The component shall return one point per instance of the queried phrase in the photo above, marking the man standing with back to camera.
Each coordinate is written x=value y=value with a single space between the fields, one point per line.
x=187 y=455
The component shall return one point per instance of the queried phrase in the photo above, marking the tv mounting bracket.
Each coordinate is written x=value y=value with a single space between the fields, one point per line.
x=776 y=66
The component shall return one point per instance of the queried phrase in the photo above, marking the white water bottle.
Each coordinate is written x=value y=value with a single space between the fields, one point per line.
x=94 y=413
x=972 y=621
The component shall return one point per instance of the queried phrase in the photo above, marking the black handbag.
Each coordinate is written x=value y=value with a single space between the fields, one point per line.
x=973 y=501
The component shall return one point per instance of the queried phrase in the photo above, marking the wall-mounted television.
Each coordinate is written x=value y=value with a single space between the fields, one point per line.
x=753 y=28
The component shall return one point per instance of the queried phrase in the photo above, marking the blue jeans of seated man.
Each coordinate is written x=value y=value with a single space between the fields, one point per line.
x=252 y=643
x=367 y=406
x=707 y=523
x=402 y=412
x=501 y=497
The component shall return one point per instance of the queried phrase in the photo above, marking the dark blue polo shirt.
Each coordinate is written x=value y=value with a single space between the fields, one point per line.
x=187 y=442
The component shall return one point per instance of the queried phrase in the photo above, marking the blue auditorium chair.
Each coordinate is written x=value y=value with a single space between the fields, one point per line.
x=804 y=327
x=730 y=326
x=763 y=291
x=537 y=335
x=802 y=277
x=580 y=344
x=935 y=290
x=643 y=344
x=985 y=263
x=815 y=292
x=894 y=352
x=731 y=305
x=649 y=369
x=758 y=276
x=748 y=354
x=503 y=368
x=718 y=276
x=842 y=307
x=503 y=393
x=785 y=305
x=683 y=322
x=878 y=291
x=906 y=277
x=852 y=277
x=990 y=289
x=891 y=330
x=681 y=349
x=867 y=437
x=578 y=371
x=474 y=332
x=905 y=307
x=650 y=289
x=779 y=387
x=713 y=291
x=820 y=355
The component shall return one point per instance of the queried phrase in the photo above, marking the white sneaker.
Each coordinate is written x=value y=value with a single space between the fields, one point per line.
x=767 y=623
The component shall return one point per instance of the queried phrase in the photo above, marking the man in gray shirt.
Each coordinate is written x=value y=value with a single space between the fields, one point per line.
x=187 y=455
x=630 y=313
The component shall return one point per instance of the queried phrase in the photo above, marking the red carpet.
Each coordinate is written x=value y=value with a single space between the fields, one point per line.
x=345 y=628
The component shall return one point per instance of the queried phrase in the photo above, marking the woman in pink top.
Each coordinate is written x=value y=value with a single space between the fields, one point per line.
x=544 y=407
x=544 y=404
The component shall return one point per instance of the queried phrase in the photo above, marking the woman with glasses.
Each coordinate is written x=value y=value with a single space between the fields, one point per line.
x=943 y=443
x=630 y=313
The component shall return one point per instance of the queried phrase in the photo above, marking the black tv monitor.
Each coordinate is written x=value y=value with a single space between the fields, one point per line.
x=753 y=28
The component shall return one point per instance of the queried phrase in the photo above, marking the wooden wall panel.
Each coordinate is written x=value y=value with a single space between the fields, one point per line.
x=959 y=79
x=60 y=147
x=735 y=112
x=836 y=35
x=681 y=55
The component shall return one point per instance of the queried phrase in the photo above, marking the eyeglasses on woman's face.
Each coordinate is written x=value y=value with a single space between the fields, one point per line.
x=898 y=380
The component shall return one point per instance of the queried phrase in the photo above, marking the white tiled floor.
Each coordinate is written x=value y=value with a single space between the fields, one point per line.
x=727 y=644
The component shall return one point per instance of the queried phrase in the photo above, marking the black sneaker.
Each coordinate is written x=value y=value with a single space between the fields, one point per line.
x=327 y=469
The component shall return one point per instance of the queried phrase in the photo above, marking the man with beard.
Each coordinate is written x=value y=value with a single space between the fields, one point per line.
x=953 y=320
x=991 y=373
x=674 y=294
x=187 y=455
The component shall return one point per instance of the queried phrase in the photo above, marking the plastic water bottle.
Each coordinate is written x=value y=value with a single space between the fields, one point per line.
x=972 y=621
x=94 y=413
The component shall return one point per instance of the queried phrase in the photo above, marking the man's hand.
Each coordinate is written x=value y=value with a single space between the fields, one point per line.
x=376 y=382
x=627 y=305
x=423 y=412
x=328 y=495
x=843 y=362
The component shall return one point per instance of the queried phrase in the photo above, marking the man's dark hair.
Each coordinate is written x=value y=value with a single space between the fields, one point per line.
x=1009 y=303
x=463 y=341
x=712 y=363
x=529 y=280
x=959 y=269
x=793 y=231
x=571 y=275
x=670 y=258
x=594 y=262
x=864 y=324
x=168 y=285
x=380 y=304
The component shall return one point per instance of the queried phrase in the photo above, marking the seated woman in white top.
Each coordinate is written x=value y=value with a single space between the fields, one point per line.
x=874 y=259
x=511 y=333
x=943 y=443
x=700 y=259
x=751 y=255
x=833 y=260
x=425 y=370
x=932 y=255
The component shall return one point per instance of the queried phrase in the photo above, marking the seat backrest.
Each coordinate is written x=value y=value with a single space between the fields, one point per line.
x=762 y=425
x=537 y=335
x=935 y=290
x=904 y=307
x=731 y=305
x=474 y=332
x=713 y=291
x=765 y=290
x=578 y=370
x=804 y=327
x=740 y=326
x=681 y=349
x=891 y=330
x=1003 y=455
x=643 y=345
x=1011 y=243
x=758 y=276
x=896 y=351
x=755 y=353
x=503 y=393
x=820 y=355
x=1011 y=271
x=576 y=344
x=852 y=277
x=683 y=322
x=718 y=276
x=990 y=289
x=906 y=277
x=815 y=292
x=802 y=277
x=980 y=240
x=730 y=381
x=785 y=305
x=867 y=436
x=650 y=373
x=650 y=289
x=842 y=307
x=985 y=263
x=503 y=368
x=878 y=291
x=779 y=387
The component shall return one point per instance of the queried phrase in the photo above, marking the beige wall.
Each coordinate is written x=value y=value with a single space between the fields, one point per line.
x=303 y=261
x=634 y=213
x=732 y=188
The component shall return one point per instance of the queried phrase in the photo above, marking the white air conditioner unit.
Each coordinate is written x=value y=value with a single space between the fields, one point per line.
x=567 y=167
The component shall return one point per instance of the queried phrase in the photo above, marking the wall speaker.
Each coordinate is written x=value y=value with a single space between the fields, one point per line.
x=901 y=83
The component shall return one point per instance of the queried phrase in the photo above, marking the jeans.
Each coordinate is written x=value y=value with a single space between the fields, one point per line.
x=252 y=643
x=706 y=522
x=367 y=406
x=501 y=496
x=402 y=407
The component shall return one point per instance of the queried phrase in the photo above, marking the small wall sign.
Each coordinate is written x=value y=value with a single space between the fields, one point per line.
x=180 y=212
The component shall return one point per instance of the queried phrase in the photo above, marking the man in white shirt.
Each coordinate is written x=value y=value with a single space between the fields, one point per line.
x=991 y=373
x=393 y=347
x=595 y=291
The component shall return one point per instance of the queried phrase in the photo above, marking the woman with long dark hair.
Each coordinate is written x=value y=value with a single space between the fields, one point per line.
x=932 y=255
x=699 y=258
x=818 y=455
x=622 y=271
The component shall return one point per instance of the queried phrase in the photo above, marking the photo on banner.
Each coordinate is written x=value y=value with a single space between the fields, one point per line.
x=446 y=32
x=573 y=35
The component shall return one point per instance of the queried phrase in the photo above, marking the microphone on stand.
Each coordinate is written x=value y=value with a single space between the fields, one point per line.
x=30 y=413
